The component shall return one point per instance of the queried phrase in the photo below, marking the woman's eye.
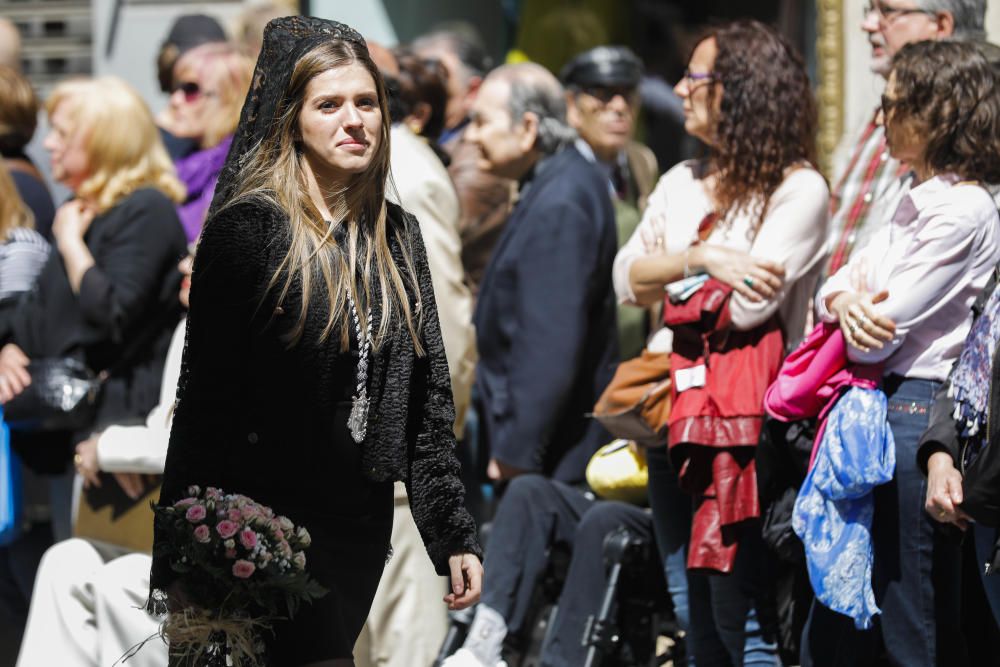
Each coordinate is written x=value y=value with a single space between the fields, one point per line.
x=367 y=102
x=329 y=104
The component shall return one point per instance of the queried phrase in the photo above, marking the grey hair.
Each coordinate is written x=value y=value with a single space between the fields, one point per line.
x=969 y=16
x=533 y=89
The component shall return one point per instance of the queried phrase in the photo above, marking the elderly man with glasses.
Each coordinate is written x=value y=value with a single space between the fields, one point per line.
x=867 y=190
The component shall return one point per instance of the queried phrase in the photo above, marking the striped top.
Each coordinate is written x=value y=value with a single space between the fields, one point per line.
x=22 y=256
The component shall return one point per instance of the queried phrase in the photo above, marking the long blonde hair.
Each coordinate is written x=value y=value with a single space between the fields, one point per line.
x=14 y=213
x=123 y=146
x=273 y=171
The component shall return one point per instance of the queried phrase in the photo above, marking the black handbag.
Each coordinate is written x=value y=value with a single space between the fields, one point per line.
x=63 y=393
x=62 y=396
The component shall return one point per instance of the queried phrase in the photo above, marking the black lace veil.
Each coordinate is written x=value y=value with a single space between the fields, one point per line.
x=286 y=40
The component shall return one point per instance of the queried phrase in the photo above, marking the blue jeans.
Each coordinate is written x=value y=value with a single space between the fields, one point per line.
x=722 y=615
x=916 y=571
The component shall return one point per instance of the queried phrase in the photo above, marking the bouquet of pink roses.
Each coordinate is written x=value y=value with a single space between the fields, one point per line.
x=240 y=568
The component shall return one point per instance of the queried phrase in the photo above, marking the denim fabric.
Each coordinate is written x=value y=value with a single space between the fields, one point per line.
x=672 y=526
x=916 y=572
x=723 y=613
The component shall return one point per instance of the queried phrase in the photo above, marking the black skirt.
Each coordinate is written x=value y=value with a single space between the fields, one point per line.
x=350 y=544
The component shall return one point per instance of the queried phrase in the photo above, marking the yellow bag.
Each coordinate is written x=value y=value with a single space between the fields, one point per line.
x=617 y=471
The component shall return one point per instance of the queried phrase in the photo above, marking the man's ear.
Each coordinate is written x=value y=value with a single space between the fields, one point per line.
x=529 y=131
x=945 y=24
x=572 y=112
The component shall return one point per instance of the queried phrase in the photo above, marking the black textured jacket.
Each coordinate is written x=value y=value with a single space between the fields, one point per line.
x=254 y=416
x=981 y=479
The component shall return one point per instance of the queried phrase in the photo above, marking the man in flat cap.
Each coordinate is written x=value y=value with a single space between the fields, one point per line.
x=602 y=100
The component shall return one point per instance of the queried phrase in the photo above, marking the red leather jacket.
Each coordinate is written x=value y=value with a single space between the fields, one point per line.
x=715 y=424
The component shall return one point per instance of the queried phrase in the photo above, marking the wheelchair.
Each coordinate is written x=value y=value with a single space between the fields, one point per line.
x=635 y=613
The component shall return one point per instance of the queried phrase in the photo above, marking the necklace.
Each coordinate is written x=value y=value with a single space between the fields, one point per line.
x=357 y=423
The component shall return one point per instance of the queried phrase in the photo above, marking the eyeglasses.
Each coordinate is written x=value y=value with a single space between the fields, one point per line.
x=191 y=91
x=604 y=94
x=887 y=15
x=695 y=78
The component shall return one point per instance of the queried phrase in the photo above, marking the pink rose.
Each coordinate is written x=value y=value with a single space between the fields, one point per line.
x=248 y=538
x=195 y=513
x=226 y=528
x=185 y=502
x=279 y=534
x=203 y=534
x=230 y=553
x=235 y=515
x=242 y=569
x=299 y=560
x=248 y=511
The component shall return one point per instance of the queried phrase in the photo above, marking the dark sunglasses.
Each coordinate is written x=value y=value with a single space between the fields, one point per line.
x=604 y=94
x=191 y=90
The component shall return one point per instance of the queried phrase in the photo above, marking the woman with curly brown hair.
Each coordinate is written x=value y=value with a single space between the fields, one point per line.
x=751 y=216
x=904 y=302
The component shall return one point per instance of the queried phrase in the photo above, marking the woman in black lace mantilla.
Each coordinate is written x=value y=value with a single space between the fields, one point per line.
x=314 y=374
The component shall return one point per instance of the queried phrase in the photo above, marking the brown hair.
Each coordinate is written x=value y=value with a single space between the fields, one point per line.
x=14 y=212
x=953 y=90
x=422 y=82
x=273 y=171
x=767 y=116
x=232 y=71
x=18 y=111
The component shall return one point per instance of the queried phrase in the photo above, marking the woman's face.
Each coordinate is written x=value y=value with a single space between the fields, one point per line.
x=701 y=108
x=340 y=122
x=66 y=145
x=904 y=134
x=195 y=98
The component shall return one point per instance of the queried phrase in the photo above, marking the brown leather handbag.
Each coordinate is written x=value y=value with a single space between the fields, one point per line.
x=106 y=515
x=636 y=403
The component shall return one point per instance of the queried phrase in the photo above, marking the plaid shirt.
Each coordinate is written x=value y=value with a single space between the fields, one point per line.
x=865 y=197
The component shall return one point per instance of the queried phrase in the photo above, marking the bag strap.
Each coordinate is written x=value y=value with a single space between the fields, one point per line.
x=145 y=336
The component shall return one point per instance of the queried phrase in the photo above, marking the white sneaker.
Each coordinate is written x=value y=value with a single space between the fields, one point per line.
x=463 y=657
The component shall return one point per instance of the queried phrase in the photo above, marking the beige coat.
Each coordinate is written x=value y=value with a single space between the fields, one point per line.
x=425 y=190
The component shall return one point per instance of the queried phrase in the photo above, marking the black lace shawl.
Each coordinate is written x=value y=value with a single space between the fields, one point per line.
x=409 y=437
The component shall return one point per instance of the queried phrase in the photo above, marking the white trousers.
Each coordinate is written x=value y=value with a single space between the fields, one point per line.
x=87 y=611
x=409 y=619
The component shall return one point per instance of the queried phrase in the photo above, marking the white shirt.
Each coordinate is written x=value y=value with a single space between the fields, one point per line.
x=143 y=448
x=793 y=234
x=934 y=258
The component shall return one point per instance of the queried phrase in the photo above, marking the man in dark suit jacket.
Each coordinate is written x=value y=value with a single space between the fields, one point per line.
x=545 y=319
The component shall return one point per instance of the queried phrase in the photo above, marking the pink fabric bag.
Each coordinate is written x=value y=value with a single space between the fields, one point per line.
x=813 y=376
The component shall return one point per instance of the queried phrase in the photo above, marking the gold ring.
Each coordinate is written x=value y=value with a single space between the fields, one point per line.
x=77 y=460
